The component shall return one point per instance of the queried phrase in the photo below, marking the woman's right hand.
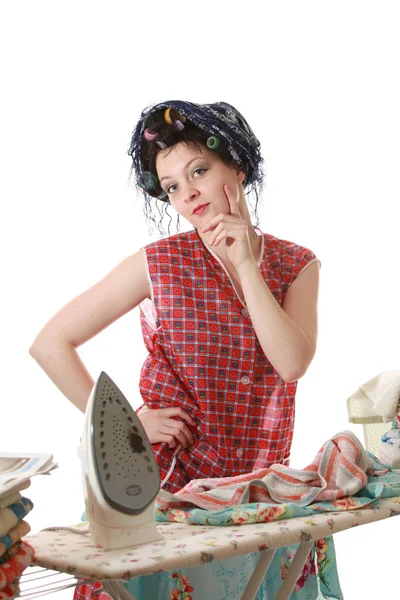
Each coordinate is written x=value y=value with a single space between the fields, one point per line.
x=160 y=426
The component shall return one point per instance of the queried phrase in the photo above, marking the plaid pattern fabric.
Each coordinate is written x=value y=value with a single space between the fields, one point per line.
x=204 y=356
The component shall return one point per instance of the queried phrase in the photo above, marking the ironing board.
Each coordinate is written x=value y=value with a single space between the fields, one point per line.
x=70 y=549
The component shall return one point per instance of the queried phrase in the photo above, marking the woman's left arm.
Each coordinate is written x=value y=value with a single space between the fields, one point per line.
x=288 y=335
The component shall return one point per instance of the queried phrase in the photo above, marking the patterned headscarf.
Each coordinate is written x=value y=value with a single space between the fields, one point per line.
x=218 y=119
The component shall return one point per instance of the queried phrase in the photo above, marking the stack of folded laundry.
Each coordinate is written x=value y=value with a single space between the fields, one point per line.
x=15 y=554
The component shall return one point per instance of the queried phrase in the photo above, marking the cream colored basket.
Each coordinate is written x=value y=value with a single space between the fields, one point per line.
x=373 y=425
x=373 y=433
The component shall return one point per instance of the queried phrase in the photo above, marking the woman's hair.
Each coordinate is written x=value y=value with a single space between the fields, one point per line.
x=164 y=135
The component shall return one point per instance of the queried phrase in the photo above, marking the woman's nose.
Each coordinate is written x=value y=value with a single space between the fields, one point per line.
x=191 y=193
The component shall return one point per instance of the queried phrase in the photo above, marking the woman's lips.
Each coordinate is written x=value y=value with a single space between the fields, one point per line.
x=199 y=210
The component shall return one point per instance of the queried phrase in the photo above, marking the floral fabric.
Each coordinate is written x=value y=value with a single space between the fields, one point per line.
x=223 y=557
x=217 y=551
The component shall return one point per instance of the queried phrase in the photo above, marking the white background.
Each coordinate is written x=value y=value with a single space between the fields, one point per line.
x=318 y=83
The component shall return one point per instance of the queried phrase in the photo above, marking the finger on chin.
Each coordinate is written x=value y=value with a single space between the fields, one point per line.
x=228 y=195
x=233 y=202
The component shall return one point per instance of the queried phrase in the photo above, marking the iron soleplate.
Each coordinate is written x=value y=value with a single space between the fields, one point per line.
x=124 y=462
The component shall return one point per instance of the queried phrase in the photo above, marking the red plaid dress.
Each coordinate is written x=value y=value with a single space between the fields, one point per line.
x=204 y=356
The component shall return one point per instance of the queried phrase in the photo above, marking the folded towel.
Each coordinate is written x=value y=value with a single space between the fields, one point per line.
x=21 y=485
x=340 y=469
x=10 y=591
x=12 y=551
x=13 y=536
x=9 y=499
x=376 y=400
x=12 y=570
x=13 y=514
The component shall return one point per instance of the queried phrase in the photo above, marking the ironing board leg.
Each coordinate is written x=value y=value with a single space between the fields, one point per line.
x=294 y=571
x=258 y=575
x=116 y=589
x=292 y=574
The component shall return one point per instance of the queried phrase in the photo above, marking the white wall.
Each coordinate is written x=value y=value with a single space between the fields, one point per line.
x=317 y=81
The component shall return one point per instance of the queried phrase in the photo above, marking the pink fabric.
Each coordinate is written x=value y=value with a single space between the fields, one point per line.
x=339 y=469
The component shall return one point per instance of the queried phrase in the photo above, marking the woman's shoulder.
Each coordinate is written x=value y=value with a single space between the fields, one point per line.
x=287 y=256
x=285 y=247
x=182 y=239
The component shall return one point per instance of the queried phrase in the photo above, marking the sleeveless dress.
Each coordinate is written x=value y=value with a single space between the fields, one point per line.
x=204 y=356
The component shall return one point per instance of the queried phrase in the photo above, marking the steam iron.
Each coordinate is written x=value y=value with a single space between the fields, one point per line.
x=120 y=474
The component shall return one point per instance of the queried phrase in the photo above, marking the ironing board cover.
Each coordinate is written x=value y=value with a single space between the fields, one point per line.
x=226 y=543
x=71 y=550
x=185 y=545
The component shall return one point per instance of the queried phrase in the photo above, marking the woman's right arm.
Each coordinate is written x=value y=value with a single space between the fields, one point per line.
x=54 y=348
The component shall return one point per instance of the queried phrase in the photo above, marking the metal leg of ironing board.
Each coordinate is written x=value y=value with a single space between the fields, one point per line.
x=116 y=589
x=258 y=575
x=292 y=574
x=294 y=571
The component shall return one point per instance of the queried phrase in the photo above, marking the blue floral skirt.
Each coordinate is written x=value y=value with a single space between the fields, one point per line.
x=227 y=579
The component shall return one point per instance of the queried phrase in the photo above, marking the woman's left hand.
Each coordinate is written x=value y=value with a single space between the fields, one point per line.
x=232 y=228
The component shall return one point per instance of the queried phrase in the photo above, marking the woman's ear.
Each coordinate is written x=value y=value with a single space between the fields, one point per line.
x=240 y=174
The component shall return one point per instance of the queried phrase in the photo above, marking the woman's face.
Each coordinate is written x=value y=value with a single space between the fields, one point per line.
x=193 y=178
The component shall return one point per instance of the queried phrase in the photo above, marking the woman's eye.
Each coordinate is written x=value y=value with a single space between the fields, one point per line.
x=170 y=191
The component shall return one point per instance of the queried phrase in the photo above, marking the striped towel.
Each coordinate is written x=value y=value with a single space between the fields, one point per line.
x=13 y=536
x=10 y=591
x=10 y=499
x=11 y=552
x=340 y=469
x=18 y=487
x=12 y=570
x=13 y=514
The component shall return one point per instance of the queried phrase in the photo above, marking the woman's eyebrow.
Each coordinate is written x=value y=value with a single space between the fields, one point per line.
x=189 y=163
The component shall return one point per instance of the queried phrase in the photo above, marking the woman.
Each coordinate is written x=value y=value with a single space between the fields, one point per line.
x=229 y=323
